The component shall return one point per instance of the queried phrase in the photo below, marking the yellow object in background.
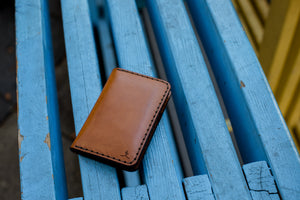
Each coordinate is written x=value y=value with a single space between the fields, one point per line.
x=274 y=31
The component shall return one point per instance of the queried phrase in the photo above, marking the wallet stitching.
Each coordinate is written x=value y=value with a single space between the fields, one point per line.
x=148 y=129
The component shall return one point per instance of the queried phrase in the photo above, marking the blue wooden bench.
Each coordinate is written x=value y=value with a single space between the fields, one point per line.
x=271 y=164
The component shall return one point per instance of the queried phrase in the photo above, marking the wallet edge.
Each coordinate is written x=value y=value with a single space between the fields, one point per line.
x=124 y=166
x=134 y=164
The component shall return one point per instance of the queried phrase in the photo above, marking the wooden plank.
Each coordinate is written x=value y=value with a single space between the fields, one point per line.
x=132 y=179
x=57 y=155
x=206 y=134
x=198 y=187
x=161 y=172
x=258 y=125
x=262 y=8
x=246 y=28
x=279 y=32
x=106 y=44
x=263 y=195
x=252 y=20
x=297 y=131
x=290 y=87
x=93 y=11
x=109 y=61
x=293 y=115
x=293 y=118
x=132 y=193
x=216 y=87
x=290 y=77
x=174 y=121
x=99 y=181
x=40 y=150
x=272 y=33
x=260 y=181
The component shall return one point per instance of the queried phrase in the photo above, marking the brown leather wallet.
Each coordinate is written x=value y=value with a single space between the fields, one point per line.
x=120 y=126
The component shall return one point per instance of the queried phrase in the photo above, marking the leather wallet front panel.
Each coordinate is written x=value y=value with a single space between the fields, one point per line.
x=121 y=124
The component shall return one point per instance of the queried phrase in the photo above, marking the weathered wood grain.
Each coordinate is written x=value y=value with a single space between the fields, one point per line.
x=260 y=181
x=263 y=195
x=131 y=193
x=258 y=125
x=206 y=134
x=161 y=171
x=40 y=146
x=99 y=181
x=198 y=187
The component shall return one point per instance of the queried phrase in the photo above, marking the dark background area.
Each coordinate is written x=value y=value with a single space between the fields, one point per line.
x=9 y=165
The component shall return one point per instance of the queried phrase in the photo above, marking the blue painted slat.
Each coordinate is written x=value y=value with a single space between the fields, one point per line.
x=161 y=175
x=198 y=187
x=109 y=61
x=106 y=44
x=259 y=177
x=77 y=198
x=198 y=108
x=132 y=179
x=57 y=155
x=99 y=181
x=260 y=180
x=42 y=169
x=93 y=8
x=259 y=127
x=263 y=195
x=132 y=193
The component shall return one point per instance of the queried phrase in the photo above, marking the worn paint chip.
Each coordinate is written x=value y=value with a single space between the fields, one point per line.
x=20 y=138
x=47 y=140
x=242 y=84
x=22 y=157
